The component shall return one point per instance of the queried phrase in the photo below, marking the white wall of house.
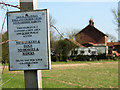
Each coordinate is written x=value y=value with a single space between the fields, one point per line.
x=94 y=50
x=101 y=49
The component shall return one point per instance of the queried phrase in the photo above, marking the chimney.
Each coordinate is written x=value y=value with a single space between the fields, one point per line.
x=91 y=22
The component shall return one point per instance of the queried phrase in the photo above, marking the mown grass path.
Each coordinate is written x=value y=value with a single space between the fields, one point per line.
x=82 y=64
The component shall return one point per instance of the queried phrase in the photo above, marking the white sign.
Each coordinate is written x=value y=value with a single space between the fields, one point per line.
x=29 y=46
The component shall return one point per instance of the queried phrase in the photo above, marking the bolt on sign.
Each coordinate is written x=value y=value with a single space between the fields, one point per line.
x=29 y=46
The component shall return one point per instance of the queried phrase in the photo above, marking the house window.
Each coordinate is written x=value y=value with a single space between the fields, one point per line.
x=82 y=52
x=93 y=52
x=89 y=50
x=75 y=52
x=72 y=53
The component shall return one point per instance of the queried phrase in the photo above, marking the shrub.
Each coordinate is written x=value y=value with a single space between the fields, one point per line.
x=61 y=50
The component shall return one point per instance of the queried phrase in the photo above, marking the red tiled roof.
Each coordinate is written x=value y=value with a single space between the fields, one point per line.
x=92 y=43
x=113 y=43
x=88 y=44
x=89 y=26
x=73 y=41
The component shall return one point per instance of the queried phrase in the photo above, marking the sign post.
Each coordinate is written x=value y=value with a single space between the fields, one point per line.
x=29 y=49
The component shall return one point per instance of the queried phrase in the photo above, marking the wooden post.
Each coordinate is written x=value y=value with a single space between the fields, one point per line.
x=31 y=80
x=26 y=5
x=32 y=77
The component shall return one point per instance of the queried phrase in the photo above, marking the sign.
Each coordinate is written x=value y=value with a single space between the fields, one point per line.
x=29 y=46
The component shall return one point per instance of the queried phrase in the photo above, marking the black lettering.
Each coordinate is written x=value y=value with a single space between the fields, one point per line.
x=28 y=53
x=27 y=46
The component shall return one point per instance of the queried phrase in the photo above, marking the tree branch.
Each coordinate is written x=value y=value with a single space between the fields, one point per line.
x=10 y=41
x=16 y=6
x=57 y=30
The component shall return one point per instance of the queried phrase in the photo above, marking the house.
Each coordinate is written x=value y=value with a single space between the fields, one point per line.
x=72 y=46
x=90 y=41
x=115 y=47
x=91 y=34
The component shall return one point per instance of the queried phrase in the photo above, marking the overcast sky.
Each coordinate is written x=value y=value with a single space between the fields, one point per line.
x=75 y=15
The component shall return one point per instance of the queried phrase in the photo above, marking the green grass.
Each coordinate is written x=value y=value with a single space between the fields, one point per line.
x=92 y=76
x=16 y=82
x=5 y=64
x=103 y=75
x=75 y=62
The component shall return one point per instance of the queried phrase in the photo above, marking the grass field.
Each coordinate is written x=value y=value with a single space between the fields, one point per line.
x=102 y=74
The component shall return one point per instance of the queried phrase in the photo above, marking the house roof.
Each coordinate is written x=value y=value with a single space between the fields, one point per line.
x=93 y=28
x=73 y=41
x=113 y=43
x=88 y=44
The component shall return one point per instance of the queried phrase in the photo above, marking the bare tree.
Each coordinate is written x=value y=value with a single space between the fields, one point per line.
x=116 y=14
x=52 y=21
x=117 y=21
x=111 y=37
x=71 y=33
x=3 y=5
